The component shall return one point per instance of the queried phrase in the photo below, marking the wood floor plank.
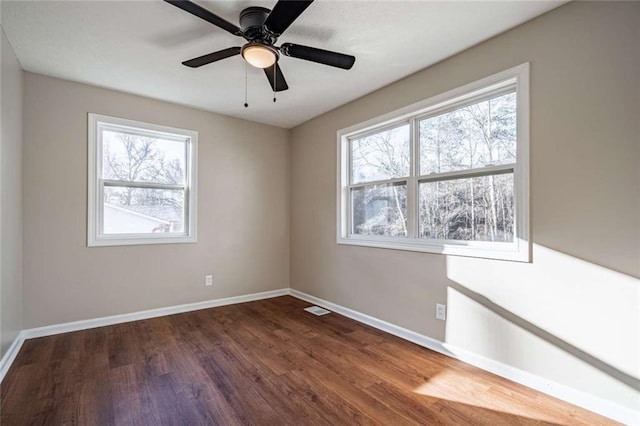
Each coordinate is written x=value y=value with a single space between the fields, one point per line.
x=260 y=363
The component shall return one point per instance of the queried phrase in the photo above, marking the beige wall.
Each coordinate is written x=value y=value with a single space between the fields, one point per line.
x=10 y=196
x=243 y=210
x=572 y=315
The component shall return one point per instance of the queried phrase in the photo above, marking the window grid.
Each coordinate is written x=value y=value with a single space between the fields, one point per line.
x=96 y=236
x=515 y=81
x=412 y=181
x=102 y=127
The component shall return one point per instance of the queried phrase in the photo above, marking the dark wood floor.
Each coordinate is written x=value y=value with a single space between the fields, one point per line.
x=260 y=363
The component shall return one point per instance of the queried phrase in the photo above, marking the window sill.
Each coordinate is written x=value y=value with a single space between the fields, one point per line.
x=130 y=241
x=517 y=251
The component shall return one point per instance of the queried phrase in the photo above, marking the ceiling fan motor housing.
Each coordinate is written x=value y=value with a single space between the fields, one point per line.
x=252 y=22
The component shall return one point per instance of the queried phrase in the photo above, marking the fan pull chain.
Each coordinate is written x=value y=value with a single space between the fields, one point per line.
x=246 y=105
x=274 y=81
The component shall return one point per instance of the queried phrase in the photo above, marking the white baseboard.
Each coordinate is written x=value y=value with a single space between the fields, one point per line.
x=412 y=336
x=11 y=354
x=50 y=330
x=560 y=391
x=151 y=313
x=565 y=393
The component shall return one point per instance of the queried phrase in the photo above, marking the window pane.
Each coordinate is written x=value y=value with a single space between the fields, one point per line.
x=143 y=211
x=379 y=210
x=478 y=135
x=477 y=209
x=381 y=156
x=135 y=158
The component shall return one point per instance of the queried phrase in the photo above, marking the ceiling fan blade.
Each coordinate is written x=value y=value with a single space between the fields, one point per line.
x=202 y=13
x=212 y=57
x=284 y=13
x=320 y=56
x=280 y=82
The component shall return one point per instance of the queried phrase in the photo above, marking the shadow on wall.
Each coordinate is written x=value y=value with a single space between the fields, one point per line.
x=532 y=315
x=548 y=337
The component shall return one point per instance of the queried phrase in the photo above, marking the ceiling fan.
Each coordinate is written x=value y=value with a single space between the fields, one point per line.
x=261 y=27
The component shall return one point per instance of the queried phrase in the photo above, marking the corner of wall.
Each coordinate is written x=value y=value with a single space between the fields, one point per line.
x=11 y=87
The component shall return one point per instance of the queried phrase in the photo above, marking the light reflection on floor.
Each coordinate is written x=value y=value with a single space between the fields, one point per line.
x=470 y=390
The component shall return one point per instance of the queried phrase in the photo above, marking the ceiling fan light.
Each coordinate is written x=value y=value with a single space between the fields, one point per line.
x=259 y=55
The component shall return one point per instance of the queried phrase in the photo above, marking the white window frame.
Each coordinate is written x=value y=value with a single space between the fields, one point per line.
x=96 y=184
x=520 y=249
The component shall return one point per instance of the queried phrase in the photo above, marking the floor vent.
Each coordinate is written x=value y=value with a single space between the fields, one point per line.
x=317 y=310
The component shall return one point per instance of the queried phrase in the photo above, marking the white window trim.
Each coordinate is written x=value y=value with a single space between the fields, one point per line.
x=95 y=206
x=520 y=249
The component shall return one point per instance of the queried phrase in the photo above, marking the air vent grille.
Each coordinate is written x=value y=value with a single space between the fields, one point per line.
x=317 y=310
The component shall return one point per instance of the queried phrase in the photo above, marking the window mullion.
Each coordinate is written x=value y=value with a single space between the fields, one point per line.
x=143 y=185
x=378 y=182
x=412 y=186
x=468 y=173
x=349 y=175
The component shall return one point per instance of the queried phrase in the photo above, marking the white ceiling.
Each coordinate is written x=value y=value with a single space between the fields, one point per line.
x=138 y=47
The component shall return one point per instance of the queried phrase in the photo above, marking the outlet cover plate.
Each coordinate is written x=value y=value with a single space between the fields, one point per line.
x=441 y=311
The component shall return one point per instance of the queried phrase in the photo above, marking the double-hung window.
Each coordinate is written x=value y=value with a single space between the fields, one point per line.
x=142 y=183
x=447 y=175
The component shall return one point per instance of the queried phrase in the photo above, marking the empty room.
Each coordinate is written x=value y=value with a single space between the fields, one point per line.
x=330 y=212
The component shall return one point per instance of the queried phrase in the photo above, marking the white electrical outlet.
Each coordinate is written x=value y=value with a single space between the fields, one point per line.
x=441 y=311
x=208 y=280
